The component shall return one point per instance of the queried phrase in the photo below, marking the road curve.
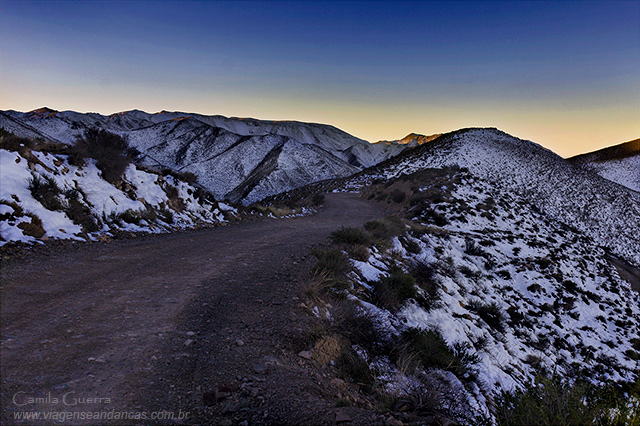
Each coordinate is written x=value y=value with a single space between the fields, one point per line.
x=145 y=323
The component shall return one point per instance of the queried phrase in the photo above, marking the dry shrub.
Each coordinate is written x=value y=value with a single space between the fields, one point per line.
x=33 y=228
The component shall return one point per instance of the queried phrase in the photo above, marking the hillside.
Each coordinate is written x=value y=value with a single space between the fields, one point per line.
x=43 y=194
x=469 y=291
x=618 y=163
x=237 y=159
x=605 y=211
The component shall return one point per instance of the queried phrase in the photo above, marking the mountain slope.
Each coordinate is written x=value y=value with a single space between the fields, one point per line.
x=483 y=292
x=43 y=195
x=223 y=152
x=619 y=163
x=413 y=139
x=605 y=211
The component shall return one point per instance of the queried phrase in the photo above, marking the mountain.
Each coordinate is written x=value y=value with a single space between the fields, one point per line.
x=412 y=139
x=470 y=290
x=45 y=195
x=606 y=211
x=618 y=163
x=500 y=269
x=235 y=158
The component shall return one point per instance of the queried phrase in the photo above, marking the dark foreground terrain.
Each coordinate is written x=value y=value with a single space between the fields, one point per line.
x=206 y=322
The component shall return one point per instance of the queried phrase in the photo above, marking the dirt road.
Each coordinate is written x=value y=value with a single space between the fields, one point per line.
x=153 y=323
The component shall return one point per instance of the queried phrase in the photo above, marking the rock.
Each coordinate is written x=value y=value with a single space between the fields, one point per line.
x=210 y=398
x=326 y=350
x=342 y=417
x=231 y=407
x=305 y=354
x=191 y=333
x=392 y=421
x=270 y=360
x=260 y=367
x=239 y=342
x=339 y=383
x=189 y=342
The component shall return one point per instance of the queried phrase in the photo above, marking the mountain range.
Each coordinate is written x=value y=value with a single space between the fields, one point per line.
x=245 y=160
x=236 y=159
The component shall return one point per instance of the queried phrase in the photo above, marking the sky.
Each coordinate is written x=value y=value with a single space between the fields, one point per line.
x=564 y=74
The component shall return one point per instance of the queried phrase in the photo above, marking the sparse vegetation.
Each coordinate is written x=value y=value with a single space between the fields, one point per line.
x=33 y=228
x=347 y=235
x=331 y=261
x=433 y=352
x=393 y=290
x=46 y=191
x=81 y=215
x=551 y=401
x=111 y=152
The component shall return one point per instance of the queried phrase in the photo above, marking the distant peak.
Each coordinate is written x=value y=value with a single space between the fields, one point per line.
x=43 y=112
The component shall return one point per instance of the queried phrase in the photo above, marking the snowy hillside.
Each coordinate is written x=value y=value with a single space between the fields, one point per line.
x=229 y=155
x=497 y=291
x=43 y=196
x=619 y=163
x=607 y=212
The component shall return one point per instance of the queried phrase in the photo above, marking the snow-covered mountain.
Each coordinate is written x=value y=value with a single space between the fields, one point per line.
x=485 y=291
x=43 y=195
x=618 y=163
x=235 y=158
x=607 y=212
x=504 y=266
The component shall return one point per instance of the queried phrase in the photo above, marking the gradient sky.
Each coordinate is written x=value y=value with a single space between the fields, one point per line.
x=563 y=74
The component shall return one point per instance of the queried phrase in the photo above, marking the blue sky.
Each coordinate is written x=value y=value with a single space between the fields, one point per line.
x=564 y=74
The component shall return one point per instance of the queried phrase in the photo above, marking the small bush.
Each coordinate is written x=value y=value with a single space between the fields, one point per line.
x=188 y=177
x=81 y=215
x=432 y=216
x=332 y=262
x=490 y=314
x=472 y=249
x=46 y=191
x=410 y=245
x=356 y=370
x=360 y=327
x=131 y=216
x=543 y=262
x=347 y=235
x=165 y=215
x=433 y=352
x=378 y=229
x=503 y=273
x=358 y=252
x=111 y=152
x=33 y=228
x=393 y=290
x=424 y=275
